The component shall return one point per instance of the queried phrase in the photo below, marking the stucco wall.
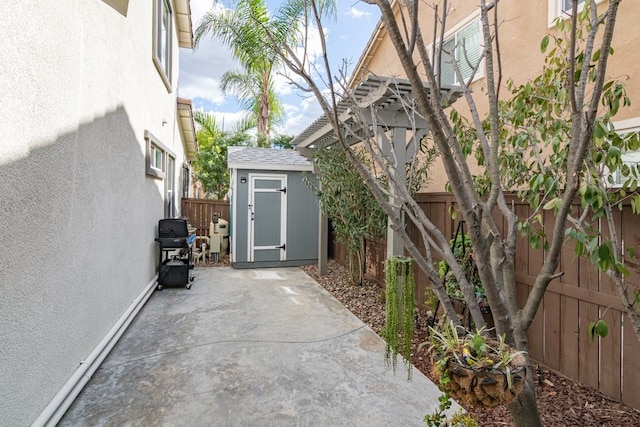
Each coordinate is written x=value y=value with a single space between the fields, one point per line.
x=79 y=215
x=523 y=24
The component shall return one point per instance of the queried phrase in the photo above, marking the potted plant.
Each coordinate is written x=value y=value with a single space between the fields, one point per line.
x=463 y=252
x=475 y=369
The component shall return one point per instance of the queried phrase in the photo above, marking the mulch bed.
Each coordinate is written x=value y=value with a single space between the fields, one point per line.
x=561 y=401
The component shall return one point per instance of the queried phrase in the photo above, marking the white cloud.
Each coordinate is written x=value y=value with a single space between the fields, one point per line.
x=202 y=69
x=300 y=116
x=356 y=13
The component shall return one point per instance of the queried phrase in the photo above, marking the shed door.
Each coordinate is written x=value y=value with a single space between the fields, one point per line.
x=267 y=218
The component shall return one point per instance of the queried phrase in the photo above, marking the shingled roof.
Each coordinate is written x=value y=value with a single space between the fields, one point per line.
x=267 y=159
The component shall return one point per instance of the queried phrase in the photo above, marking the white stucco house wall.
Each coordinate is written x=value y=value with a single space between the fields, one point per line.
x=94 y=148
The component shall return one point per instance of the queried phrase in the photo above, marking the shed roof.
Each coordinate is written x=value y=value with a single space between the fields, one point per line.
x=267 y=159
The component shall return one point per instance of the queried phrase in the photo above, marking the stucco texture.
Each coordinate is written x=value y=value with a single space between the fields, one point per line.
x=79 y=215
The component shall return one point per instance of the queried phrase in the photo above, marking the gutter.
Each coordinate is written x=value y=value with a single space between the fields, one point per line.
x=68 y=393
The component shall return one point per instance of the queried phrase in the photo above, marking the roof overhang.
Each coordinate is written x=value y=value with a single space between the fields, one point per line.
x=379 y=34
x=389 y=95
x=267 y=159
x=183 y=18
x=270 y=167
x=187 y=128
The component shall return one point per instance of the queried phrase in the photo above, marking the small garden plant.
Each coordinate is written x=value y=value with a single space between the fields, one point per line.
x=463 y=252
x=475 y=368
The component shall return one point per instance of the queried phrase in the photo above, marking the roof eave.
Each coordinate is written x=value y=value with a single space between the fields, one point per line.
x=270 y=166
x=187 y=128
x=184 y=23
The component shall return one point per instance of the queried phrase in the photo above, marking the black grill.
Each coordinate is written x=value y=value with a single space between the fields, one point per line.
x=176 y=258
x=173 y=228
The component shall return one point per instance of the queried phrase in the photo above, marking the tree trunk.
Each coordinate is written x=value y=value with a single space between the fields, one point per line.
x=524 y=411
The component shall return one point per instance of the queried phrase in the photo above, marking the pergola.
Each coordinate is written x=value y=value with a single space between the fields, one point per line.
x=381 y=104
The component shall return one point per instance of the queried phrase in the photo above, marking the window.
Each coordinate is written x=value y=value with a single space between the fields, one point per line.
x=629 y=158
x=156 y=158
x=567 y=5
x=162 y=40
x=170 y=185
x=562 y=9
x=186 y=178
x=465 y=48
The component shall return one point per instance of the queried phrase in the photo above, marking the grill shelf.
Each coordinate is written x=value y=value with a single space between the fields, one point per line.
x=176 y=253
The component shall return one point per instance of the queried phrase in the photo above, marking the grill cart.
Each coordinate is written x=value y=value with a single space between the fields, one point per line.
x=176 y=253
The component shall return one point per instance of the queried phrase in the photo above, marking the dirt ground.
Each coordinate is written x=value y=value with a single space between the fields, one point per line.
x=561 y=401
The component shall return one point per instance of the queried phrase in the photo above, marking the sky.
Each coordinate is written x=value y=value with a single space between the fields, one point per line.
x=202 y=67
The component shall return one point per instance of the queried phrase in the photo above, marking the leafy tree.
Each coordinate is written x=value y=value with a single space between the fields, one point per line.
x=347 y=202
x=345 y=199
x=282 y=141
x=586 y=147
x=211 y=164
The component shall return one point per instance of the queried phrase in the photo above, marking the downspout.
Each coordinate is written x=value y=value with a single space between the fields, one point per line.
x=68 y=393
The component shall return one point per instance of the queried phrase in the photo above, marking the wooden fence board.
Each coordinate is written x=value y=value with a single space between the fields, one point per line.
x=200 y=211
x=588 y=372
x=552 y=330
x=558 y=335
x=569 y=336
x=631 y=366
x=631 y=239
x=610 y=355
x=536 y=333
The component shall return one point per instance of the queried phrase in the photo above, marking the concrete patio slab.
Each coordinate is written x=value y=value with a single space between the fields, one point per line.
x=265 y=347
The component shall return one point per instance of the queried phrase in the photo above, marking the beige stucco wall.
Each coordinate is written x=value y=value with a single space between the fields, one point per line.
x=78 y=214
x=523 y=24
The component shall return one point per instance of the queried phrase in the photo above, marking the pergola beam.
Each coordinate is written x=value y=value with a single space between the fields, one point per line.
x=387 y=98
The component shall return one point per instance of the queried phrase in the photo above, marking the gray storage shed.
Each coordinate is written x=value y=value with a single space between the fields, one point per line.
x=274 y=214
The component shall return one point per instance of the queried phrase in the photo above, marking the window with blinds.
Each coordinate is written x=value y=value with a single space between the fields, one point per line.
x=463 y=48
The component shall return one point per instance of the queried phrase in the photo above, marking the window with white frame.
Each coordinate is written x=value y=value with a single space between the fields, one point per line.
x=562 y=9
x=464 y=48
x=567 y=5
x=170 y=188
x=162 y=39
x=156 y=156
x=630 y=159
x=186 y=180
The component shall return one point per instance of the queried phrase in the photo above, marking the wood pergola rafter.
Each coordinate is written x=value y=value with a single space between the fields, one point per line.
x=383 y=104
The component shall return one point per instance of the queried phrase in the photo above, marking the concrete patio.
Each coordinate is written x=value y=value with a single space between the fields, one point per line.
x=264 y=347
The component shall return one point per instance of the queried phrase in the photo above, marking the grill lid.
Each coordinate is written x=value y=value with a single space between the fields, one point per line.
x=173 y=227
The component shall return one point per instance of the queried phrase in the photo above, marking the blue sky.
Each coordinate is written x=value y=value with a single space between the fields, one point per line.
x=202 y=68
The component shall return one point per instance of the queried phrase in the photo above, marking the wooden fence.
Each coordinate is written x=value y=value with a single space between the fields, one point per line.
x=558 y=336
x=200 y=212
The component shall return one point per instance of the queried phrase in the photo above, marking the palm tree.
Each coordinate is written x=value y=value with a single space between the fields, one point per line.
x=251 y=34
x=262 y=104
x=244 y=30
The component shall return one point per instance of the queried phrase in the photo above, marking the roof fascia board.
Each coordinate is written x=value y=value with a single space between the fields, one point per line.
x=184 y=24
x=374 y=41
x=271 y=166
